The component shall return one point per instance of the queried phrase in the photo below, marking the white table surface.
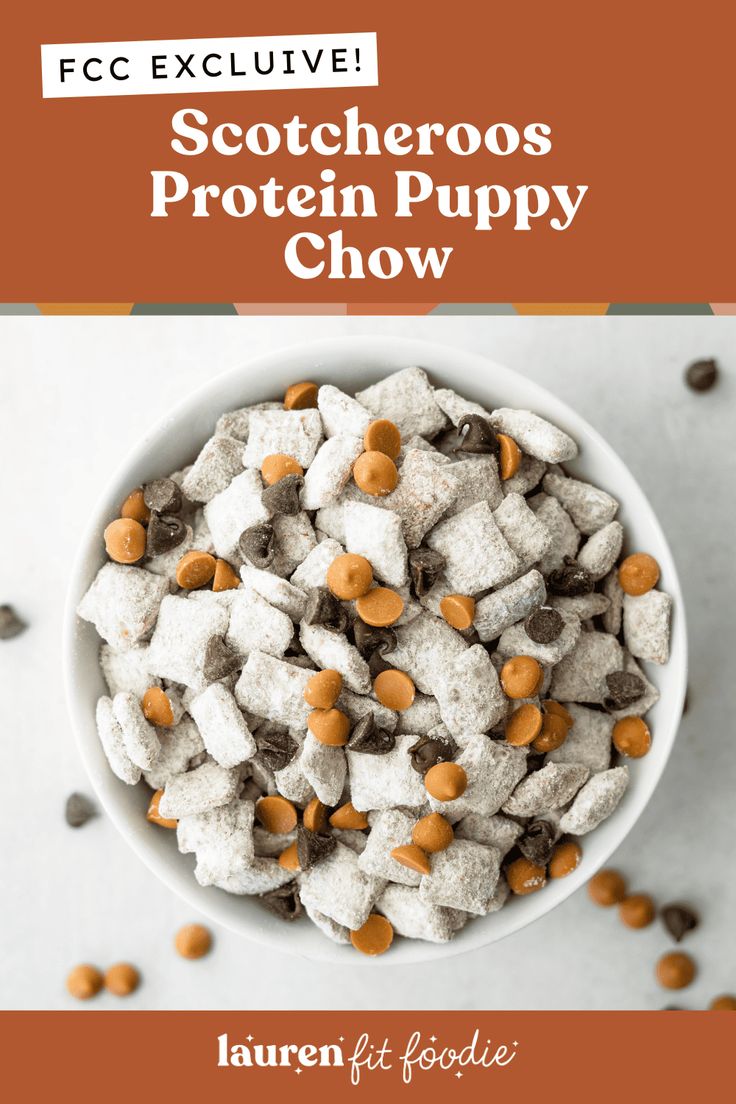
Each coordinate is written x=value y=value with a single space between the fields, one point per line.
x=75 y=395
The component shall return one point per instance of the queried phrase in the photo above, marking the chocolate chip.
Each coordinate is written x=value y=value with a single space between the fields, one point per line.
x=701 y=375
x=256 y=544
x=369 y=640
x=428 y=751
x=544 y=625
x=219 y=660
x=678 y=920
x=425 y=566
x=377 y=665
x=165 y=532
x=369 y=738
x=163 y=496
x=283 y=902
x=78 y=810
x=538 y=842
x=323 y=608
x=624 y=688
x=479 y=435
x=312 y=847
x=276 y=748
x=10 y=623
x=571 y=580
x=282 y=497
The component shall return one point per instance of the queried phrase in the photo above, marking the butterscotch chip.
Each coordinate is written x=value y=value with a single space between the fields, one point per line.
x=723 y=1004
x=315 y=815
x=380 y=607
x=125 y=540
x=446 y=781
x=521 y=677
x=153 y=814
x=374 y=937
x=638 y=574
x=349 y=576
x=412 y=856
x=195 y=569
x=224 y=578
x=122 y=979
x=134 y=507
x=289 y=858
x=193 y=941
x=675 y=970
x=157 y=707
x=383 y=436
x=524 y=725
x=301 y=396
x=553 y=735
x=394 y=689
x=565 y=858
x=347 y=816
x=84 y=981
x=277 y=465
x=375 y=473
x=525 y=877
x=509 y=457
x=329 y=726
x=550 y=706
x=637 y=910
x=607 y=888
x=433 y=833
x=632 y=737
x=276 y=814
x=323 y=689
x=458 y=610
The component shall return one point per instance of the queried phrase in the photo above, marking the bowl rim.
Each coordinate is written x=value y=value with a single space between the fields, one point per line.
x=413 y=351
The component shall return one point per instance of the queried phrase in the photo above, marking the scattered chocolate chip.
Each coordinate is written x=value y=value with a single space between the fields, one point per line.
x=78 y=810
x=165 y=532
x=256 y=544
x=428 y=751
x=678 y=920
x=537 y=843
x=323 y=608
x=369 y=640
x=283 y=902
x=571 y=580
x=282 y=497
x=544 y=625
x=624 y=688
x=479 y=435
x=701 y=375
x=163 y=496
x=369 y=738
x=10 y=623
x=276 y=749
x=312 y=847
x=377 y=665
x=219 y=660
x=425 y=566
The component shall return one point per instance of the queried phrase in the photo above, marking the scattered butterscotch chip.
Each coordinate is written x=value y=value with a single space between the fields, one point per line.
x=314 y=816
x=509 y=457
x=276 y=814
x=329 y=726
x=675 y=970
x=289 y=858
x=458 y=610
x=446 y=781
x=153 y=814
x=301 y=396
x=412 y=856
x=134 y=507
x=383 y=436
x=524 y=725
x=607 y=888
x=374 y=937
x=347 y=816
x=323 y=689
x=638 y=574
x=565 y=858
x=157 y=707
x=277 y=465
x=375 y=473
x=122 y=979
x=195 y=569
x=433 y=833
x=193 y=941
x=225 y=578
x=349 y=576
x=631 y=737
x=725 y=1003
x=525 y=877
x=380 y=607
x=521 y=677
x=553 y=734
x=637 y=910
x=394 y=689
x=550 y=706
x=84 y=981
x=125 y=540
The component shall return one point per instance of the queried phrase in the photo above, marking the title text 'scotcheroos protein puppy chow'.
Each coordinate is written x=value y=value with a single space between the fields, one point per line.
x=379 y=658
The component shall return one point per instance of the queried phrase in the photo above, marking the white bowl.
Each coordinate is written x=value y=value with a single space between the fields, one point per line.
x=353 y=363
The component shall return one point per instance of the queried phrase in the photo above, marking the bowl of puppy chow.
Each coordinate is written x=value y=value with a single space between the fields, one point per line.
x=375 y=650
